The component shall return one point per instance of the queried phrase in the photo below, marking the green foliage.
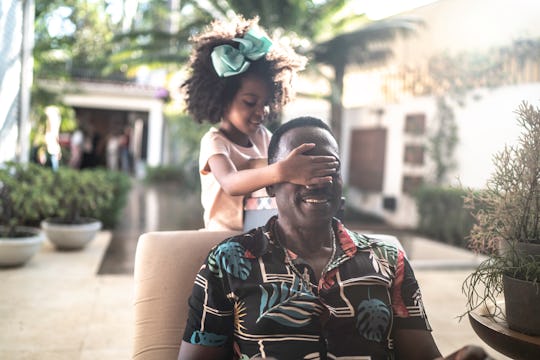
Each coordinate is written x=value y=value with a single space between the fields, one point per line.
x=164 y=173
x=158 y=36
x=81 y=48
x=510 y=208
x=109 y=212
x=443 y=142
x=185 y=177
x=80 y=193
x=312 y=20
x=23 y=198
x=442 y=215
x=184 y=151
x=508 y=215
x=30 y=193
x=84 y=43
x=187 y=134
x=484 y=285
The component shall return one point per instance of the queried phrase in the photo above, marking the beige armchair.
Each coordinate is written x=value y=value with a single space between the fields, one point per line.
x=166 y=263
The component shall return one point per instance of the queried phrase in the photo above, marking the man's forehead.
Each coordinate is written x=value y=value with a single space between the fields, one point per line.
x=308 y=134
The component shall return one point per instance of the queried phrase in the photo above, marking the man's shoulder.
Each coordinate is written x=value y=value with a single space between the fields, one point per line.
x=254 y=243
x=387 y=246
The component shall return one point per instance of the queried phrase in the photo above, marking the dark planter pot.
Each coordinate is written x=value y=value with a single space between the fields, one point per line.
x=522 y=304
x=528 y=248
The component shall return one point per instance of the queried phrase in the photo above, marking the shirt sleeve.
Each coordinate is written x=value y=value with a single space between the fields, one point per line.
x=210 y=318
x=211 y=144
x=407 y=304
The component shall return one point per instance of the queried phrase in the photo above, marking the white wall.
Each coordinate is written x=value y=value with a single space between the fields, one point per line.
x=458 y=25
x=485 y=126
x=393 y=120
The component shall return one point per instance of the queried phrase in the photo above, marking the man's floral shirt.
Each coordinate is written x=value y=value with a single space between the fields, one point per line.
x=246 y=296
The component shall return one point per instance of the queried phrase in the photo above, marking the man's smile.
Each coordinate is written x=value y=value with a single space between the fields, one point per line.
x=316 y=197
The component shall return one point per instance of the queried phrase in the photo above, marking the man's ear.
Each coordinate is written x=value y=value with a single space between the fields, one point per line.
x=270 y=190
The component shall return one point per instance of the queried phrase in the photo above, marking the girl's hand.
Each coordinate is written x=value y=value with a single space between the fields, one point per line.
x=302 y=169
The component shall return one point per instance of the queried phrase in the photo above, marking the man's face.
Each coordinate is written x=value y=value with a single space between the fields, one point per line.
x=297 y=204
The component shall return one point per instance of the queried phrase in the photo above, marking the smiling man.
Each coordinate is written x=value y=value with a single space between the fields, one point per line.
x=305 y=287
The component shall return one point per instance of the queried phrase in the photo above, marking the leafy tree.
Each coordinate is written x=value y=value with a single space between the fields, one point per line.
x=357 y=48
x=319 y=29
x=72 y=39
x=159 y=35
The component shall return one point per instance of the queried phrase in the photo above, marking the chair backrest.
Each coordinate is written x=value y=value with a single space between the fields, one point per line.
x=166 y=263
x=257 y=211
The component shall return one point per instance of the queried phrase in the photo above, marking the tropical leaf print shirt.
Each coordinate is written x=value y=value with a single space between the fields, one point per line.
x=246 y=296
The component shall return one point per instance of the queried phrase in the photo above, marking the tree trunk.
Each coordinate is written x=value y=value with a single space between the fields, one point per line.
x=336 y=112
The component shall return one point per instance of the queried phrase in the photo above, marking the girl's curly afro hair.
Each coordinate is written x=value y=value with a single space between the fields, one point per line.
x=207 y=95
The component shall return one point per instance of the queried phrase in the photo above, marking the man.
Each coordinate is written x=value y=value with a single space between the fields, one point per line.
x=305 y=287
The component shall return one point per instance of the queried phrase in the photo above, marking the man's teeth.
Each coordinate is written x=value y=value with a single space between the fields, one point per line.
x=315 y=201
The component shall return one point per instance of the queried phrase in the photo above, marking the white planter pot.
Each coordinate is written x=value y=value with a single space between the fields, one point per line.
x=17 y=251
x=70 y=236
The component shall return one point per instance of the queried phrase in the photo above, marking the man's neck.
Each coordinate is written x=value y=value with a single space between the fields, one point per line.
x=305 y=241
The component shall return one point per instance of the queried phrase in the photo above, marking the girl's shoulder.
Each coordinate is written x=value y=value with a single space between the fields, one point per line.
x=214 y=135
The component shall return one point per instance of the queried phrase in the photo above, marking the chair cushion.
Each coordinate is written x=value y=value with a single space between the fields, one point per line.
x=166 y=263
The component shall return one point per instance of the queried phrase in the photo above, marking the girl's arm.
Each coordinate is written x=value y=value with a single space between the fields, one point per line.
x=297 y=168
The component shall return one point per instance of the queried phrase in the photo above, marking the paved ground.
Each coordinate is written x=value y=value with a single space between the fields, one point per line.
x=61 y=306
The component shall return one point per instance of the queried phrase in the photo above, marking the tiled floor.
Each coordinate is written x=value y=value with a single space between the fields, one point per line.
x=149 y=208
x=58 y=307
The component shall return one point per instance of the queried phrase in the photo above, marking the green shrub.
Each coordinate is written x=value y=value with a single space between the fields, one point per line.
x=80 y=194
x=30 y=193
x=185 y=176
x=24 y=199
x=90 y=193
x=442 y=215
x=109 y=213
x=164 y=173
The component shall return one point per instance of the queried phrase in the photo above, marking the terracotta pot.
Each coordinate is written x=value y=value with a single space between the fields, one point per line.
x=522 y=304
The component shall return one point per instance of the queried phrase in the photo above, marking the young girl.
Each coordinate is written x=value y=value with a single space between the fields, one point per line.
x=238 y=80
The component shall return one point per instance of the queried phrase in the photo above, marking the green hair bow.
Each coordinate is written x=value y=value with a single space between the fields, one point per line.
x=229 y=61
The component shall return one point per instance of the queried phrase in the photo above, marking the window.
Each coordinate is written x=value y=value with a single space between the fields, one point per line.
x=414 y=154
x=411 y=183
x=415 y=124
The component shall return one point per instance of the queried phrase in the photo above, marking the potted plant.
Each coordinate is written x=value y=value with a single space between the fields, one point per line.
x=23 y=201
x=79 y=194
x=507 y=229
